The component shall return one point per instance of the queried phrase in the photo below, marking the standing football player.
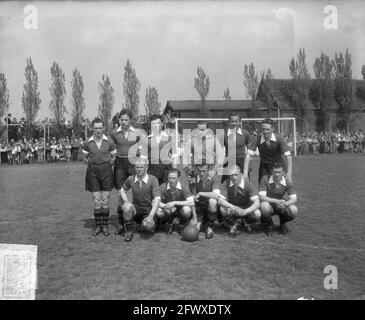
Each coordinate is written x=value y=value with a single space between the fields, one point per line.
x=99 y=154
x=126 y=139
x=236 y=142
x=159 y=158
x=272 y=148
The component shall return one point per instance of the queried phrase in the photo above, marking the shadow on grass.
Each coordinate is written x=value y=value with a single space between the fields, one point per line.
x=89 y=223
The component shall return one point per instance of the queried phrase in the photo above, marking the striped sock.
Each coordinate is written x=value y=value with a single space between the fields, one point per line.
x=105 y=217
x=98 y=217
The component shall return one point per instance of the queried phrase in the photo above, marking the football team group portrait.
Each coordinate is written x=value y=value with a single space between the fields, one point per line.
x=178 y=150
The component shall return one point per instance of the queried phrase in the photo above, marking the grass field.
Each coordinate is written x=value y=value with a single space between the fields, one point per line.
x=46 y=205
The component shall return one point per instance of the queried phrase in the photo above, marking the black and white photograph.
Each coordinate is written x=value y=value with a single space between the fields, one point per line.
x=176 y=151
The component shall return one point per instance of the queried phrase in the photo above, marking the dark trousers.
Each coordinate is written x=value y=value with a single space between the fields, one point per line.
x=4 y=157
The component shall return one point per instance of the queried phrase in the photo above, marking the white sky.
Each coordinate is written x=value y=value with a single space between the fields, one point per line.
x=166 y=41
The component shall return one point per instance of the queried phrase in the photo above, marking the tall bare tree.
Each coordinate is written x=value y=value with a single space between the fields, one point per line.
x=251 y=82
x=321 y=91
x=344 y=86
x=297 y=90
x=58 y=94
x=31 y=101
x=202 y=85
x=4 y=96
x=226 y=97
x=152 y=105
x=106 y=97
x=77 y=101
x=131 y=87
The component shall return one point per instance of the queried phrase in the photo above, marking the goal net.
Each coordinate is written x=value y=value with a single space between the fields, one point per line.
x=284 y=126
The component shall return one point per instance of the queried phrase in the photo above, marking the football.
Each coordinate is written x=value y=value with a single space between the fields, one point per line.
x=190 y=233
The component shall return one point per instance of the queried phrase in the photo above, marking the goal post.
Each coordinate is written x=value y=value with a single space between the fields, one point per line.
x=284 y=126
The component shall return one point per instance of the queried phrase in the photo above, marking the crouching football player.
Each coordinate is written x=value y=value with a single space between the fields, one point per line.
x=176 y=203
x=274 y=189
x=99 y=153
x=146 y=198
x=239 y=201
x=206 y=190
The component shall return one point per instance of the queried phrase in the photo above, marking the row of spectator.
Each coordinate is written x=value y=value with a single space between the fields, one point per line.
x=31 y=150
x=331 y=142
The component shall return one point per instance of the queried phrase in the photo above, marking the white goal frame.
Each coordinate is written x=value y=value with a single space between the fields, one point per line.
x=177 y=120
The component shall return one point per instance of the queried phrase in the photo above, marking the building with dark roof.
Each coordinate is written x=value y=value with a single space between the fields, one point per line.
x=271 y=101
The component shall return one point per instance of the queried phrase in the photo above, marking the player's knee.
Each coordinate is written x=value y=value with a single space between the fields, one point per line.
x=256 y=215
x=185 y=212
x=160 y=213
x=97 y=203
x=105 y=203
x=226 y=212
x=212 y=205
x=292 y=211
x=265 y=208
x=128 y=210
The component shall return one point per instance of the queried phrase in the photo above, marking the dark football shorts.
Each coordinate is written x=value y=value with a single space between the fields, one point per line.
x=99 y=177
x=123 y=168
x=141 y=212
x=201 y=208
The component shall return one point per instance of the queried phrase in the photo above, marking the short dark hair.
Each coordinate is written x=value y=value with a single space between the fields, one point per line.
x=173 y=170
x=234 y=114
x=268 y=121
x=155 y=117
x=278 y=164
x=97 y=120
x=125 y=112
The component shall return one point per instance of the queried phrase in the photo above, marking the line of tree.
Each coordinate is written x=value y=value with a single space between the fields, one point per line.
x=333 y=81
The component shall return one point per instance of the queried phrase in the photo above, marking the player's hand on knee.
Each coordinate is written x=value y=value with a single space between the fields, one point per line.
x=148 y=223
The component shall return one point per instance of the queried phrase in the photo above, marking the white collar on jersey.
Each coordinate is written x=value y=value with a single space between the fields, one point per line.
x=104 y=137
x=283 y=182
x=272 y=138
x=178 y=186
x=241 y=185
x=130 y=129
x=145 y=178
